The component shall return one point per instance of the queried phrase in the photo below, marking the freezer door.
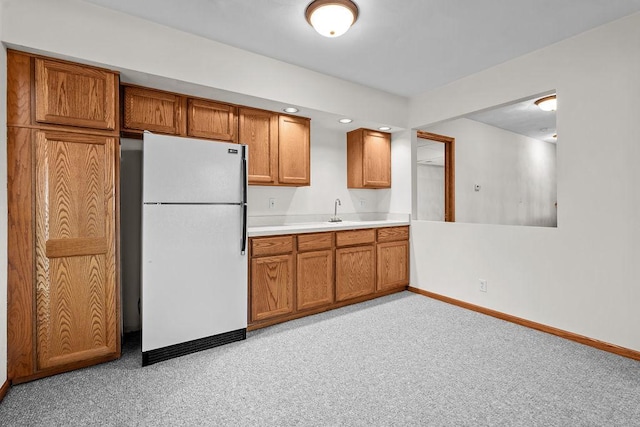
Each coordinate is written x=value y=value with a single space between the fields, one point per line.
x=187 y=170
x=194 y=279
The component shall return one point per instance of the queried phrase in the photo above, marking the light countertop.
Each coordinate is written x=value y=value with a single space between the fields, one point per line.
x=320 y=226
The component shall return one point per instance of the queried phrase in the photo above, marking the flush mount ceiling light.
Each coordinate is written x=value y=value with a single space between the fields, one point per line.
x=331 y=18
x=384 y=128
x=548 y=103
x=345 y=121
x=290 y=110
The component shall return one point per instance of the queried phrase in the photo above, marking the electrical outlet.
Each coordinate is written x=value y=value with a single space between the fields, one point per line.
x=483 y=285
x=363 y=203
x=272 y=203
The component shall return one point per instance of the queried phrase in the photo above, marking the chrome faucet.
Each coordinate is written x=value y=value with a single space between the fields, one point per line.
x=335 y=211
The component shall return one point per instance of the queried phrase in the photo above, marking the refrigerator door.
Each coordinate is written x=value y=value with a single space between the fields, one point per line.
x=187 y=170
x=194 y=278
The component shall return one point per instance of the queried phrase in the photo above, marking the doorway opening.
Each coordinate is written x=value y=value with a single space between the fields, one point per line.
x=438 y=151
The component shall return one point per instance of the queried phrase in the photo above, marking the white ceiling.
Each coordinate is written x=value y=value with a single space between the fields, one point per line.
x=404 y=47
x=522 y=117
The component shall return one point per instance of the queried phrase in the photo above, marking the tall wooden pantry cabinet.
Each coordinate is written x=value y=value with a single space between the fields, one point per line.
x=63 y=166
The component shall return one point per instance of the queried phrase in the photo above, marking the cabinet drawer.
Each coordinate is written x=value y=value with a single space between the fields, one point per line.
x=355 y=237
x=393 y=233
x=312 y=242
x=271 y=245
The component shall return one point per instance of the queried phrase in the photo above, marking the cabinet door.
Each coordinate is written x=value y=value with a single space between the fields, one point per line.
x=376 y=166
x=206 y=119
x=393 y=265
x=258 y=129
x=271 y=286
x=152 y=110
x=314 y=279
x=75 y=95
x=355 y=272
x=293 y=151
x=75 y=217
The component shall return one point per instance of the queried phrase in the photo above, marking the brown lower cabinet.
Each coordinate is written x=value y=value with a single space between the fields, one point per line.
x=355 y=272
x=355 y=265
x=392 y=263
x=271 y=272
x=75 y=248
x=272 y=290
x=331 y=269
x=314 y=284
x=392 y=257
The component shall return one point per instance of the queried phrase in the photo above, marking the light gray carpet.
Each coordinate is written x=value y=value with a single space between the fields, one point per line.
x=399 y=360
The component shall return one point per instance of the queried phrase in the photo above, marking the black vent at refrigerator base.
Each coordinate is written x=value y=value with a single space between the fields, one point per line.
x=182 y=349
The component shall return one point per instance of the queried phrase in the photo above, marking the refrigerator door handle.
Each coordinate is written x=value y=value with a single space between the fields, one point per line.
x=244 y=200
x=244 y=229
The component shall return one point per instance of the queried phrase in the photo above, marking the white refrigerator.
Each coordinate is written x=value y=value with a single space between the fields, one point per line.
x=194 y=237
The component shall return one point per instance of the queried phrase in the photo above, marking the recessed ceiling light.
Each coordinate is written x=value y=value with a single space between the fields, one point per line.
x=290 y=110
x=384 y=128
x=345 y=121
x=548 y=103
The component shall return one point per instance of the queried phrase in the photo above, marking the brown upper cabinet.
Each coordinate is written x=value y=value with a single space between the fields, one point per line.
x=279 y=147
x=152 y=110
x=212 y=120
x=294 y=151
x=57 y=102
x=258 y=129
x=175 y=114
x=368 y=159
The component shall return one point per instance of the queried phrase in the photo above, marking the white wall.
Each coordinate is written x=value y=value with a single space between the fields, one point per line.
x=398 y=198
x=3 y=208
x=582 y=276
x=516 y=174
